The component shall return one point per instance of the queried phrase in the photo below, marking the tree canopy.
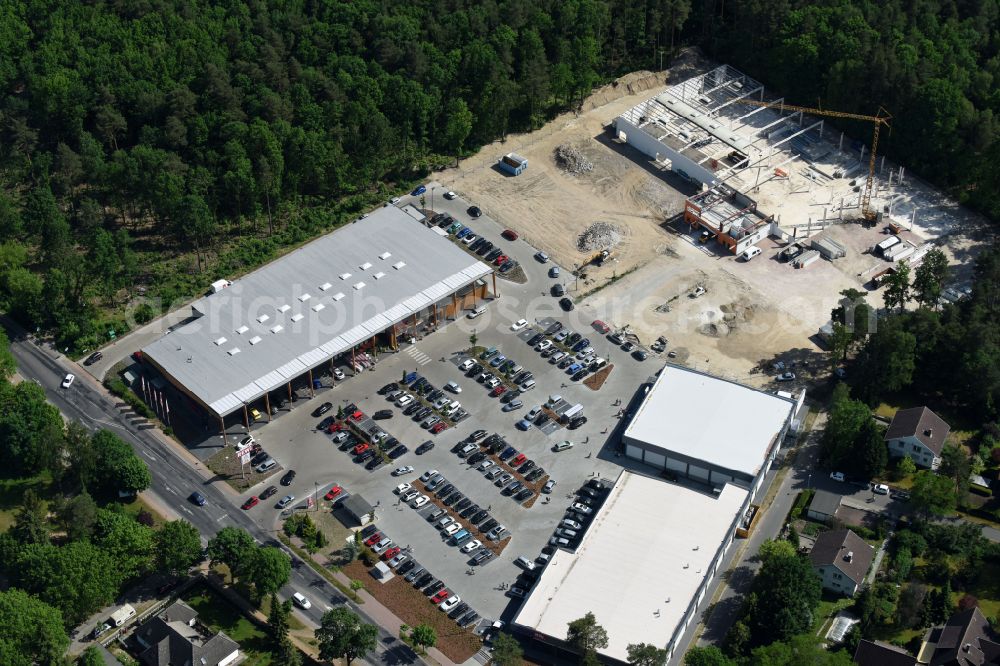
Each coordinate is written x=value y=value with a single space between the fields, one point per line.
x=342 y=635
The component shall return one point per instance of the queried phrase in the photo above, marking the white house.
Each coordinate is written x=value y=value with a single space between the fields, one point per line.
x=918 y=433
x=842 y=559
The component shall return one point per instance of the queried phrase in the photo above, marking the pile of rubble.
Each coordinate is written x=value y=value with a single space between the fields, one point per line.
x=599 y=236
x=572 y=160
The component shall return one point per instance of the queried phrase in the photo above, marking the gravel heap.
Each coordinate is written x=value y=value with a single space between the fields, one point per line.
x=572 y=160
x=599 y=236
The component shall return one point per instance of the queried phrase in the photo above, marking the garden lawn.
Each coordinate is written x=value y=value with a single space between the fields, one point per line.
x=219 y=615
x=12 y=495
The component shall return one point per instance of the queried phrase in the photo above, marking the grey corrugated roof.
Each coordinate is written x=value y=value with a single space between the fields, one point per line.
x=197 y=357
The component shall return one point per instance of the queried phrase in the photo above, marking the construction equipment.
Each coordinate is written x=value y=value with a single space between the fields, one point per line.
x=599 y=258
x=882 y=118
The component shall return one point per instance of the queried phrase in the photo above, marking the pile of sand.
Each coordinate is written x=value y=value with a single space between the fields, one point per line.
x=572 y=160
x=599 y=236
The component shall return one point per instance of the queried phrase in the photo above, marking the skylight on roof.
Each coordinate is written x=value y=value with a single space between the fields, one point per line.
x=385 y=255
x=379 y=275
x=365 y=266
x=304 y=297
x=234 y=351
x=242 y=329
x=285 y=308
x=298 y=316
x=399 y=265
x=255 y=339
x=325 y=286
x=344 y=276
x=359 y=285
x=220 y=341
x=318 y=307
x=261 y=319
x=278 y=328
x=339 y=295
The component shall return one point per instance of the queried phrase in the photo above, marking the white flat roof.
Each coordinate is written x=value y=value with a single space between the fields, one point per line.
x=639 y=565
x=711 y=419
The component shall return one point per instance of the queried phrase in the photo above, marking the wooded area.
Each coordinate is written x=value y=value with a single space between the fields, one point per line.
x=150 y=147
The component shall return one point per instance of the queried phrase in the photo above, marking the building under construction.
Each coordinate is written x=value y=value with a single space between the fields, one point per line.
x=728 y=216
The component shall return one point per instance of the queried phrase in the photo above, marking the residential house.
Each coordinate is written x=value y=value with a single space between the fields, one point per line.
x=965 y=640
x=918 y=433
x=175 y=638
x=824 y=505
x=842 y=559
x=877 y=653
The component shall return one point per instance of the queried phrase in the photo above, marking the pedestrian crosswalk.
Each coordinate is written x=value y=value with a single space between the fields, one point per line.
x=418 y=356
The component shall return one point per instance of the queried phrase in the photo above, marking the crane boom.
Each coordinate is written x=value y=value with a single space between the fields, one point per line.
x=882 y=118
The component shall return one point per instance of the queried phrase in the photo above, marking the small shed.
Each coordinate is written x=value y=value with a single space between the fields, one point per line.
x=358 y=508
x=513 y=164
x=824 y=505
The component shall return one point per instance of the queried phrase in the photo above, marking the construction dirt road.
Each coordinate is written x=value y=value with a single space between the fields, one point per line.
x=750 y=314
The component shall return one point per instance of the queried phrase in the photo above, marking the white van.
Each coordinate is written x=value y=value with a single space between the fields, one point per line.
x=750 y=253
x=478 y=311
x=122 y=615
x=449 y=409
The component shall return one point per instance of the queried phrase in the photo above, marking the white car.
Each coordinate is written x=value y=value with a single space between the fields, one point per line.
x=492 y=382
x=449 y=195
x=880 y=489
x=468 y=239
x=400 y=471
x=445 y=522
x=485 y=465
x=300 y=600
x=420 y=501
x=382 y=545
x=533 y=413
x=549 y=485
x=471 y=546
x=582 y=508
x=410 y=495
x=448 y=604
x=837 y=476
x=403 y=488
x=338 y=374
x=466 y=364
x=543 y=345
x=519 y=324
x=452 y=528
x=405 y=400
x=570 y=524
x=68 y=380
x=428 y=475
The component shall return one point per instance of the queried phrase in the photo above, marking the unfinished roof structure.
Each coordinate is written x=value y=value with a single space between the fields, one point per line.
x=300 y=311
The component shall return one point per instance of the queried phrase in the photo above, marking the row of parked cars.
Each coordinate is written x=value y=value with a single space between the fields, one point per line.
x=464 y=507
x=372 y=453
x=568 y=350
x=419 y=577
x=491 y=365
x=478 y=447
x=570 y=529
x=426 y=403
x=488 y=250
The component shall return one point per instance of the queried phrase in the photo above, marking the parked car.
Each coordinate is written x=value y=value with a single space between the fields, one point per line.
x=323 y=409
x=93 y=358
x=285 y=501
x=270 y=491
x=424 y=448
x=287 y=479
x=566 y=304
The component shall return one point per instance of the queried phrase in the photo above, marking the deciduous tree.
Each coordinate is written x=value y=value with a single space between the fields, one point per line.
x=178 y=547
x=233 y=547
x=586 y=636
x=32 y=629
x=644 y=654
x=342 y=635
x=932 y=494
x=506 y=650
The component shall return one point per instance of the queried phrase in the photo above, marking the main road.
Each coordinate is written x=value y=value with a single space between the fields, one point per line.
x=174 y=479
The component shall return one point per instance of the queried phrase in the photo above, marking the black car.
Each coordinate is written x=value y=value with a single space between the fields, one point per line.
x=475 y=457
x=493 y=254
x=488 y=525
x=476 y=243
x=425 y=447
x=474 y=211
x=422 y=580
x=526 y=467
x=382 y=414
x=470 y=510
x=259 y=458
x=459 y=611
x=513 y=488
x=469 y=618
x=406 y=566
x=535 y=339
x=524 y=495
x=587 y=492
x=463 y=503
x=484 y=248
x=375 y=463
x=434 y=395
x=598 y=485
x=498 y=446
x=433 y=588
x=510 y=396
x=368 y=531
x=325 y=423
x=640 y=354
x=360 y=458
x=446 y=490
x=507 y=265
x=479 y=516
x=418 y=383
x=535 y=474
x=477 y=435
x=453 y=499
x=270 y=491
x=389 y=444
x=400 y=450
x=392 y=386
x=542 y=419
x=577 y=422
x=287 y=479
x=412 y=407
x=558 y=290
x=483 y=556
x=323 y=409
x=566 y=304
x=197 y=498
x=474 y=370
x=572 y=339
x=579 y=374
x=93 y=358
x=422 y=413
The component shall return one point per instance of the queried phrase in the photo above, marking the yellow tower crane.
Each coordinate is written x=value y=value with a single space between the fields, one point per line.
x=882 y=118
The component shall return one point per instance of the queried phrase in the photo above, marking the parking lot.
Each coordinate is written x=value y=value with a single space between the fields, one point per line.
x=294 y=441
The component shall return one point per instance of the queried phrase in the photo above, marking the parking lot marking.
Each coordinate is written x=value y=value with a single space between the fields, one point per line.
x=418 y=356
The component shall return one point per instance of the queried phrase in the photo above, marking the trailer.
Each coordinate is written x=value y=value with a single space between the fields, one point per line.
x=829 y=248
x=807 y=258
x=513 y=163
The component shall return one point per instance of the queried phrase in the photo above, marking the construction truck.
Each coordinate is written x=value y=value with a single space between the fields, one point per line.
x=599 y=258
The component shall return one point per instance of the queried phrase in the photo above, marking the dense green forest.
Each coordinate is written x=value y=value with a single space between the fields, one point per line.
x=149 y=146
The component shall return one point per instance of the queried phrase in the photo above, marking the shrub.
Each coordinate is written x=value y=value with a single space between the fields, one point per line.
x=967 y=601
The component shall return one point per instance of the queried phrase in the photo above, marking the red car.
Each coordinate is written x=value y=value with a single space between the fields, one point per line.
x=373 y=539
x=251 y=503
x=438 y=427
x=360 y=448
x=509 y=234
x=358 y=415
x=499 y=390
x=335 y=426
x=390 y=553
x=518 y=460
x=333 y=492
x=601 y=326
x=441 y=596
x=499 y=260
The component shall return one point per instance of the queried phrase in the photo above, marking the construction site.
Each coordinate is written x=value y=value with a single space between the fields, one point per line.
x=697 y=206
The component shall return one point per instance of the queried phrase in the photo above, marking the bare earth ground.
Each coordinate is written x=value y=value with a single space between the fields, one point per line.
x=752 y=311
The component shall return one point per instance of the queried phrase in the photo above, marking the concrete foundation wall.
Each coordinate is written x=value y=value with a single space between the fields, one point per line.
x=646 y=144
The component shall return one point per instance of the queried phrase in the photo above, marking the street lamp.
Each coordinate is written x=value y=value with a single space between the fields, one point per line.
x=432 y=196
